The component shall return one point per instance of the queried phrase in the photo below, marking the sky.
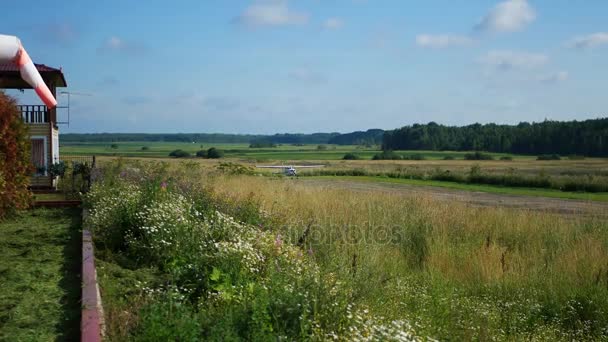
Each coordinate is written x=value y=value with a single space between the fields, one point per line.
x=275 y=66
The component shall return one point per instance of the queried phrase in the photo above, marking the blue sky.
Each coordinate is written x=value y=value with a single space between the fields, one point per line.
x=268 y=66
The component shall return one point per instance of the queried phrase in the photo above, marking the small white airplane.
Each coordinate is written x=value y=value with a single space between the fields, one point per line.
x=290 y=170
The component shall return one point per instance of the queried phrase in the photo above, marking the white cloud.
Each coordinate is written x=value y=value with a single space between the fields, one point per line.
x=116 y=44
x=271 y=13
x=508 y=60
x=589 y=41
x=439 y=41
x=557 y=77
x=333 y=23
x=507 y=16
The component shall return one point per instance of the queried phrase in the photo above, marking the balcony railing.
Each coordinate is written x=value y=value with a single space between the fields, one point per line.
x=34 y=113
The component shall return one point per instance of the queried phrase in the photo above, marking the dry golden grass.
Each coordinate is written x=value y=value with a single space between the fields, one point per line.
x=463 y=243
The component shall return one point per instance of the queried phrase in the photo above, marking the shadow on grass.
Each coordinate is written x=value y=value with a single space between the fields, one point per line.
x=68 y=328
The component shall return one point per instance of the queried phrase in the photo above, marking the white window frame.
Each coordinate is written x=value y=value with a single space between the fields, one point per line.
x=46 y=149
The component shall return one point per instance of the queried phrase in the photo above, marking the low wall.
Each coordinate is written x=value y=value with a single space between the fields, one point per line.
x=91 y=325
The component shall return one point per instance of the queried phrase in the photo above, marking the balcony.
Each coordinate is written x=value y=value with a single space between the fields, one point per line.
x=34 y=114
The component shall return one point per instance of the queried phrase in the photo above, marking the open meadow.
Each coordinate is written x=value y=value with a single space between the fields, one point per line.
x=448 y=248
x=210 y=252
x=568 y=178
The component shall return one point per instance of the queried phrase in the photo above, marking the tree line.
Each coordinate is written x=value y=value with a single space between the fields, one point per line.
x=370 y=137
x=589 y=137
x=286 y=138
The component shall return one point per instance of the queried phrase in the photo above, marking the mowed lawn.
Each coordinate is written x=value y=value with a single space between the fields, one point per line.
x=40 y=276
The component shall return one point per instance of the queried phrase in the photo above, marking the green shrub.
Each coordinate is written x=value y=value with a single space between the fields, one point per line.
x=179 y=154
x=145 y=148
x=201 y=154
x=478 y=156
x=387 y=155
x=351 y=156
x=15 y=163
x=549 y=157
x=448 y=158
x=321 y=147
x=214 y=153
x=506 y=158
x=114 y=146
x=57 y=169
x=576 y=157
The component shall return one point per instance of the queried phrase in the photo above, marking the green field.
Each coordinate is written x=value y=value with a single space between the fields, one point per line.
x=242 y=151
x=581 y=178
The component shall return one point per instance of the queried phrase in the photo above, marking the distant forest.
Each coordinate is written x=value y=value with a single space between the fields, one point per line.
x=369 y=137
x=315 y=138
x=589 y=138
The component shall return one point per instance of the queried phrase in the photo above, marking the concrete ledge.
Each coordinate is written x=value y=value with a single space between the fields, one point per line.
x=92 y=314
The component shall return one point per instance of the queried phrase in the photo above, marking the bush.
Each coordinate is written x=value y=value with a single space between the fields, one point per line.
x=114 y=146
x=215 y=153
x=145 y=148
x=321 y=147
x=15 y=163
x=478 y=156
x=506 y=158
x=262 y=144
x=448 y=158
x=179 y=154
x=350 y=156
x=57 y=169
x=201 y=154
x=386 y=155
x=576 y=157
x=549 y=157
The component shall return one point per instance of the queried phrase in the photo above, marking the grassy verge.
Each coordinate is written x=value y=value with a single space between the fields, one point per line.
x=603 y=197
x=39 y=276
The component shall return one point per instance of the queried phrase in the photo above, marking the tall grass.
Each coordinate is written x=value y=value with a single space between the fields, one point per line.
x=213 y=277
x=451 y=271
x=458 y=272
